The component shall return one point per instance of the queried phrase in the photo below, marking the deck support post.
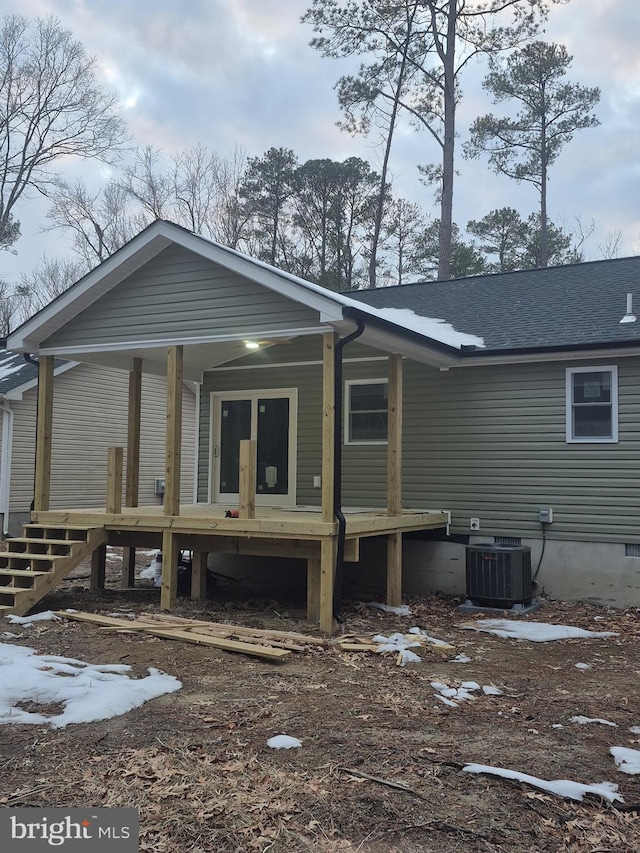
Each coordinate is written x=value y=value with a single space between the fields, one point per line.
x=394 y=569
x=114 y=480
x=44 y=429
x=394 y=436
x=170 y=555
x=247 y=485
x=128 y=578
x=313 y=591
x=98 y=567
x=327 y=576
x=199 y=575
x=175 y=357
x=328 y=421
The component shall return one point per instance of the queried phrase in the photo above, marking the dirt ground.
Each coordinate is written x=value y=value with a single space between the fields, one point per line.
x=380 y=767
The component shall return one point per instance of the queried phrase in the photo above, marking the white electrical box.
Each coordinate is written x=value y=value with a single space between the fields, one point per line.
x=546 y=515
x=159 y=489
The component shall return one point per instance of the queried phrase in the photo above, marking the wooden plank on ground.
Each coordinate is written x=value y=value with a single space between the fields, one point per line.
x=253 y=649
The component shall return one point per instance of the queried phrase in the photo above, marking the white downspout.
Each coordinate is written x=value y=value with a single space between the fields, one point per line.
x=5 y=465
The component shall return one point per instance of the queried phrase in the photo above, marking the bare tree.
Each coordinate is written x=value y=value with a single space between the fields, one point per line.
x=51 y=107
x=99 y=222
x=49 y=278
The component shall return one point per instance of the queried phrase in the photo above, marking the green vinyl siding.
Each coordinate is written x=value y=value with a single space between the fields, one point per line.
x=179 y=295
x=486 y=442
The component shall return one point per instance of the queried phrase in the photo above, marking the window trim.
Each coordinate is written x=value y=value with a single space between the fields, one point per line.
x=570 y=373
x=347 y=411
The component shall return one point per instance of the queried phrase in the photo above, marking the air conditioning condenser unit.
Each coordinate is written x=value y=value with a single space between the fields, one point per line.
x=499 y=575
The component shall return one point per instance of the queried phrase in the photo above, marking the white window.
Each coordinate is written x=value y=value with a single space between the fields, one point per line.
x=366 y=407
x=592 y=404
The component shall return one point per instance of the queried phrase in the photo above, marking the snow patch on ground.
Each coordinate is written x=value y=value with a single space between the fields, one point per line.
x=537 y=632
x=584 y=720
x=627 y=760
x=45 y=616
x=452 y=696
x=284 y=742
x=559 y=787
x=403 y=610
x=88 y=692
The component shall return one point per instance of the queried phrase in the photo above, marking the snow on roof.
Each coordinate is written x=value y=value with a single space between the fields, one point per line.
x=430 y=327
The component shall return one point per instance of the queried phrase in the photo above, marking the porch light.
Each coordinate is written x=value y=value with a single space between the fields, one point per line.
x=252 y=344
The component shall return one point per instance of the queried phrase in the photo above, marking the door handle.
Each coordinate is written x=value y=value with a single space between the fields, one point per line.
x=216 y=450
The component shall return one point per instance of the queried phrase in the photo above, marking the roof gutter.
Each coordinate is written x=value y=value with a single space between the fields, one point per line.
x=397 y=331
x=337 y=468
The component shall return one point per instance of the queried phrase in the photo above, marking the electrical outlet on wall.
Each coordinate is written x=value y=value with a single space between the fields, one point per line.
x=317 y=481
x=474 y=523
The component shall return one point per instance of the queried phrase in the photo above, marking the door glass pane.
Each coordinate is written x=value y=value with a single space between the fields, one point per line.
x=273 y=446
x=235 y=426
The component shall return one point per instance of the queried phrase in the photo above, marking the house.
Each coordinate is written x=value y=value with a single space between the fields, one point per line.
x=428 y=416
x=89 y=415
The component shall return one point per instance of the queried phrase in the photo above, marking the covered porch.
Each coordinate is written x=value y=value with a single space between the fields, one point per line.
x=325 y=536
x=173 y=304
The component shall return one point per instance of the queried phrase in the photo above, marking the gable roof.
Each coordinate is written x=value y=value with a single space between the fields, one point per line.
x=578 y=306
x=420 y=338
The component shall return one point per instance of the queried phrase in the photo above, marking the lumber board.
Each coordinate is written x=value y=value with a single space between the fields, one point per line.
x=263 y=632
x=175 y=634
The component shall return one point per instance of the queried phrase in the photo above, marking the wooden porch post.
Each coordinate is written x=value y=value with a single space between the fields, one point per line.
x=44 y=427
x=133 y=434
x=174 y=431
x=328 y=419
x=394 y=479
x=132 y=479
x=327 y=546
x=114 y=480
x=247 y=484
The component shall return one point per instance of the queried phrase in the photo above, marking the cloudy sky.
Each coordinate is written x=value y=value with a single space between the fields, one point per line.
x=230 y=73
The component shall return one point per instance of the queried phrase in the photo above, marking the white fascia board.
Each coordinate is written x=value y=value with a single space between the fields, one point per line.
x=86 y=291
x=416 y=352
x=18 y=392
x=541 y=357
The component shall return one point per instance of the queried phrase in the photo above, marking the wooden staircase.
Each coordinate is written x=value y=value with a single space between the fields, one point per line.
x=36 y=562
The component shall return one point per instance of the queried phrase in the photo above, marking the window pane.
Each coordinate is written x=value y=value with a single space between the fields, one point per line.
x=273 y=446
x=368 y=405
x=369 y=397
x=592 y=387
x=592 y=422
x=368 y=426
x=235 y=425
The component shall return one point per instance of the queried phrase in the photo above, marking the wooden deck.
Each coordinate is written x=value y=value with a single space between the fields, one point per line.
x=297 y=532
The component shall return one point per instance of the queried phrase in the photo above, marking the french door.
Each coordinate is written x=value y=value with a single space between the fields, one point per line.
x=267 y=417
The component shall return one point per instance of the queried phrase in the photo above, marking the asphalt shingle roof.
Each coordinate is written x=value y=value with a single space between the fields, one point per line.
x=576 y=305
x=14 y=371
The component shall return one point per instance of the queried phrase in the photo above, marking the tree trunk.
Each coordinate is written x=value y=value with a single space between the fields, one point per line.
x=446 y=202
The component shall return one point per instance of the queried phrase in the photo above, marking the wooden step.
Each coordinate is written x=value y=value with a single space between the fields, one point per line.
x=20 y=573
x=13 y=590
x=24 y=555
x=26 y=540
